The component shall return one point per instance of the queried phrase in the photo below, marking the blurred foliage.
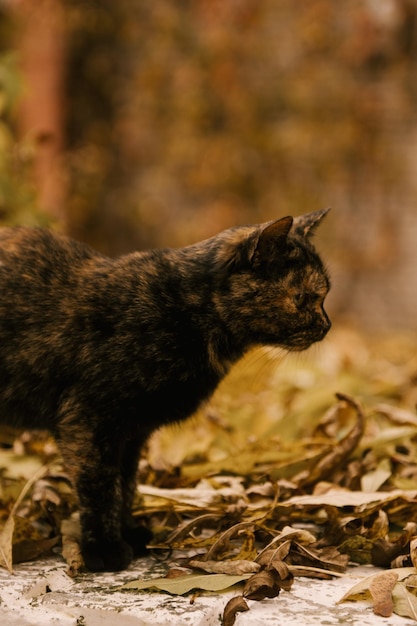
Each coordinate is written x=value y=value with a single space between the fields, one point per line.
x=192 y=116
x=17 y=196
x=185 y=118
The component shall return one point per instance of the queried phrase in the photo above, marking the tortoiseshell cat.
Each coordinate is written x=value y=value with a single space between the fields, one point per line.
x=103 y=351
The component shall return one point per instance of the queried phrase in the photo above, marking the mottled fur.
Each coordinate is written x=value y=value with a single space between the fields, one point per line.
x=102 y=351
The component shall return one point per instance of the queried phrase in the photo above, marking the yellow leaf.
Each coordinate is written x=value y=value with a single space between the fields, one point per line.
x=360 y=591
x=405 y=603
x=6 y=541
x=185 y=584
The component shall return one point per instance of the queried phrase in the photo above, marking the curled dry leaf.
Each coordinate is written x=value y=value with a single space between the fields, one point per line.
x=380 y=588
x=234 y=606
x=71 y=551
x=191 y=526
x=325 y=558
x=413 y=551
x=285 y=538
x=222 y=543
x=266 y=557
x=339 y=452
x=237 y=567
x=265 y=584
x=6 y=541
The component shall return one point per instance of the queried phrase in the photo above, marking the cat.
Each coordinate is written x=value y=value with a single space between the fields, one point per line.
x=103 y=351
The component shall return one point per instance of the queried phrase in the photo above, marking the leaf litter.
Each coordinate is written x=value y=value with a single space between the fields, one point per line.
x=298 y=467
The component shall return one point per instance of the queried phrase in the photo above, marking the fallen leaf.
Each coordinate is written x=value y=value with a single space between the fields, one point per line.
x=265 y=584
x=397 y=415
x=6 y=534
x=381 y=587
x=222 y=543
x=372 y=481
x=360 y=590
x=29 y=550
x=6 y=542
x=266 y=557
x=413 y=551
x=235 y=568
x=71 y=550
x=234 y=606
x=340 y=451
x=405 y=603
x=342 y=498
x=185 y=584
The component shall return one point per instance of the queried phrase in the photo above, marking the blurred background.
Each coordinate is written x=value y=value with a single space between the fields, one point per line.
x=142 y=123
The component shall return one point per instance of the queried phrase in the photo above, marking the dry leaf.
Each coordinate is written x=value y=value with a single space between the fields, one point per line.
x=413 y=551
x=29 y=550
x=71 y=551
x=381 y=587
x=405 y=603
x=323 y=558
x=340 y=451
x=184 y=584
x=234 y=606
x=237 y=567
x=6 y=534
x=222 y=543
x=397 y=415
x=6 y=542
x=372 y=481
x=360 y=590
x=267 y=556
x=265 y=584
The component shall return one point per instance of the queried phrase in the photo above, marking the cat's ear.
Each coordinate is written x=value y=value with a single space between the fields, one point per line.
x=271 y=241
x=305 y=225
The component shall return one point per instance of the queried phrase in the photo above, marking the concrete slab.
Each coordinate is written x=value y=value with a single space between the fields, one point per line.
x=41 y=594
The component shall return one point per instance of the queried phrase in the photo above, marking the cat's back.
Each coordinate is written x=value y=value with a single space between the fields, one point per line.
x=38 y=261
x=35 y=248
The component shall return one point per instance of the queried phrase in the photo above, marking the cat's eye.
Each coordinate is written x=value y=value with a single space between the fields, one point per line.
x=300 y=299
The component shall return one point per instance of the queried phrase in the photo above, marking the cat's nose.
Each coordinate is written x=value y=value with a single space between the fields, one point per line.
x=326 y=323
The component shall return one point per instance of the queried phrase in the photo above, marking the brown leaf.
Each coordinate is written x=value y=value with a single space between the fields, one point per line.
x=286 y=577
x=323 y=558
x=6 y=541
x=221 y=544
x=265 y=558
x=29 y=550
x=176 y=572
x=413 y=551
x=265 y=584
x=71 y=551
x=381 y=588
x=338 y=453
x=384 y=552
x=234 y=606
x=237 y=567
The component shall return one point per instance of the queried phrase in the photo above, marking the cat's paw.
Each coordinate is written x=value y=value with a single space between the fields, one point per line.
x=106 y=556
x=137 y=537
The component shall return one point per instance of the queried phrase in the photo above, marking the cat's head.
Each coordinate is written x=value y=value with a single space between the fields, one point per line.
x=275 y=283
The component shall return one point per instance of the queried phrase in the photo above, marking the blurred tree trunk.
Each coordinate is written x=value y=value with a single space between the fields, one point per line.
x=41 y=46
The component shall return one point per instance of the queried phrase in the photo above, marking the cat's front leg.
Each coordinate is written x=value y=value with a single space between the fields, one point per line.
x=93 y=464
x=137 y=535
